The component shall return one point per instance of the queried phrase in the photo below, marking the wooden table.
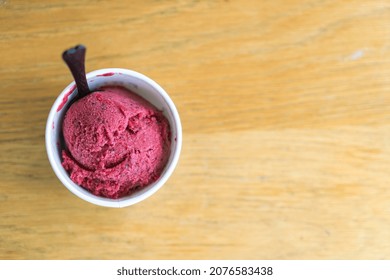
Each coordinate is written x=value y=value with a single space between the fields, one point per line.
x=285 y=107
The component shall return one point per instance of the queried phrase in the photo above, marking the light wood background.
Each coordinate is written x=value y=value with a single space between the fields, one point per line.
x=285 y=107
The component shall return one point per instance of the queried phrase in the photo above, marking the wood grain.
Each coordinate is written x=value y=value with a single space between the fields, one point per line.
x=285 y=108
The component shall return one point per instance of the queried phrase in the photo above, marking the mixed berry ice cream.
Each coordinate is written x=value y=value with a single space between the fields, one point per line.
x=116 y=142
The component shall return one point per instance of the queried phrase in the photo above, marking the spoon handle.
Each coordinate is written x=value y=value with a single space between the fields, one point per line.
x=75 y=59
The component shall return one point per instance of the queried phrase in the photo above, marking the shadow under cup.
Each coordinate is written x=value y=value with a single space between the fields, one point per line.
x=137 y=83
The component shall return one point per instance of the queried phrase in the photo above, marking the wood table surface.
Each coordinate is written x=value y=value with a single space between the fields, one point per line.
x=285 y=108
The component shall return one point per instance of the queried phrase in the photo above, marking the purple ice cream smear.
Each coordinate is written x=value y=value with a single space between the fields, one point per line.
x=106 y=74
x=65 y=99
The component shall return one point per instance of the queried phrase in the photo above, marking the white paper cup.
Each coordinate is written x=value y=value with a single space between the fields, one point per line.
x=137 y=83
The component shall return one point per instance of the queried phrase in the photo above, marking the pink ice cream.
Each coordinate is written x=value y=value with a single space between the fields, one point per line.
x=116 y=141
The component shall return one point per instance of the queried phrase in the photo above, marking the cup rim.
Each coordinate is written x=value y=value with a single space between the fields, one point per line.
x=125 y=201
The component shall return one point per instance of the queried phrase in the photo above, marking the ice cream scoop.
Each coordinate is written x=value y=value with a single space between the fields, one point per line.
x=116 y=141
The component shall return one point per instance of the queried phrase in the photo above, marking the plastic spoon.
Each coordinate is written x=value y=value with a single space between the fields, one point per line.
x=75 y=59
